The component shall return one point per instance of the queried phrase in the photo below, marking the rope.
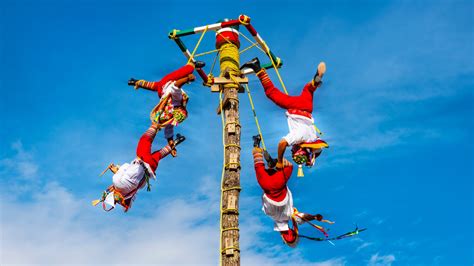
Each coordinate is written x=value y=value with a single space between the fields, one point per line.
x=229 y=61
x=230 y=210
x=232 y=144
x=255 y=116
x=229 y=164
x=197 y=45
x=248 y=39
x=231 y=188
x=231 y=228
x=251 y=46
x=214 y=63
x=206 y=53
x=275 y=67
x=234 y=247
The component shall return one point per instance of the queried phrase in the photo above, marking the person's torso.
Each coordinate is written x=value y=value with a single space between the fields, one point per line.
x=129 y=177
x=274 y=184
x=175 y=92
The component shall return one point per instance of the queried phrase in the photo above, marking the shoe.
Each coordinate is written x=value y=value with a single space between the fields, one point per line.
x=289 y=236
x=253 y=64
x=132 y=82
x=318 y=77
x=179 y=138
x=270 y=161
x=199 y=64
x=256 y=140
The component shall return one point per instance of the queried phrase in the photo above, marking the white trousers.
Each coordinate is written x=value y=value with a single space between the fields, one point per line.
x=280 y=212
x=301 y=129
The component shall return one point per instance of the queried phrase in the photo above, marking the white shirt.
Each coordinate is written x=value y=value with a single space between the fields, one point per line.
x=175 y=91
x=128 y=177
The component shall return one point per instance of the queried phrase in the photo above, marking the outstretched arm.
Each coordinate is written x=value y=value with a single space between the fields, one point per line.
x=287 y=169
x=281 y=151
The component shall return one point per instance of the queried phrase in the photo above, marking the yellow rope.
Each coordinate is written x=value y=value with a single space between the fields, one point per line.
x=232 y=145
x=229 y=164
x=197 y=45
x=214 y=63
x=231 y=210
x=255 y=116
x=231 y=228
x=276 y=68
x=229 y=61
x=231 y=188
x=234 y=247
x=248 y=39
x=248 y=48
x=206 y=53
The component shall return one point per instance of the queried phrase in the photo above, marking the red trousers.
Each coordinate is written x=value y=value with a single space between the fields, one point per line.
x=175 y=75
x=144 y=149
x=303 y=102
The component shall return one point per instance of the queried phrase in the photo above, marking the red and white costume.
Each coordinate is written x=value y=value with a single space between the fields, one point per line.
x=277 y=199
x=131 y=177
x=299 y=110
x=167 y=86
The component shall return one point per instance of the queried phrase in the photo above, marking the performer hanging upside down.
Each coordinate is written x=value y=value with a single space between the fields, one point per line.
x=173 y=99
x=299 y=108
x=131 y=177
x=277 y=198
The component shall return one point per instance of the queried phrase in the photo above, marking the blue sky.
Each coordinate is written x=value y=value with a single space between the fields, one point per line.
x=396 y=109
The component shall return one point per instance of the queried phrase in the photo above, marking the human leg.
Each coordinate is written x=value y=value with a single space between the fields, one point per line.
x=144 y=146
x=178 y=74
x=317 y=79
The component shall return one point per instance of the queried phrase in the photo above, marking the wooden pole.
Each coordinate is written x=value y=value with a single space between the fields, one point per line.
x=227 y=40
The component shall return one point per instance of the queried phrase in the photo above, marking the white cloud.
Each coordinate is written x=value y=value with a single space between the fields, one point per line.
x=364 y=245
x=386 y=260
x=20 y=165
x=59 y=227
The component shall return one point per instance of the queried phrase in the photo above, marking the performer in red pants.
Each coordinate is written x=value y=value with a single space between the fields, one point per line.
x=299 y=108
x=277 y=198
x=131 y=177
x=171 y=86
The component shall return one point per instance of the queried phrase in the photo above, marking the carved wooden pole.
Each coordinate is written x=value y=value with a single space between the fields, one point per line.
x=227 y=41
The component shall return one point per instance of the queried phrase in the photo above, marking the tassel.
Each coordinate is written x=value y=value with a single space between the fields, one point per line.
x=95 y=202
x=300 y=170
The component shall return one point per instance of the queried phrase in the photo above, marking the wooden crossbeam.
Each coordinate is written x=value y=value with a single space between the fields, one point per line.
x=224 y=80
